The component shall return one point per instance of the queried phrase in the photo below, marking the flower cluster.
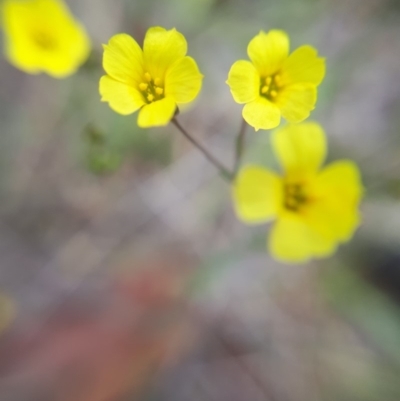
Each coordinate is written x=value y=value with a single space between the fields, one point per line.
x=315 y=208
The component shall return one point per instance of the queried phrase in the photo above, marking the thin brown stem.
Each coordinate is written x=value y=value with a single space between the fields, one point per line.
x=240 y=146
x=225 y=172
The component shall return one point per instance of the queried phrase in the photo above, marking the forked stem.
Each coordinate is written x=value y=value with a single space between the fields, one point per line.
x=225 y=172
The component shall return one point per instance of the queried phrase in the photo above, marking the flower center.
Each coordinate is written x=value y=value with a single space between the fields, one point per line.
x=151 y=89
x=44 y=40
x=270 y=86
x=295 y=197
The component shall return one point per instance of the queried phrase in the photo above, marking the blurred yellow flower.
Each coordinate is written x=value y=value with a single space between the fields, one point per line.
x=155 y=80
x=315 y=209
x=275 y=83
x=43 y=36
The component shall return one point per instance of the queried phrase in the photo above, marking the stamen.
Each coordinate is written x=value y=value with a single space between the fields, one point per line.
x=143 y=86
x=268 y=80
x=150 y=97
x=157 y=81
x=291 y=203
x=295 y=197
x=147 y=76
x=159 y=91
x=273 y=93
x=44 y=40
x=264 y=90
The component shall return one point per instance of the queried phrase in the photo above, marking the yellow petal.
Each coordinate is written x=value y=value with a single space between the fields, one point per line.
x=123 y=59
x=292 y=241
x=48 y=8
x=17 y=43
x=74 y=49
x=161 y=49
x=343 y=175
x=261 y=114
x=300 y=148
x=297 y=101
x=157 y=114
x=257 y=194
x=183 y=80
x=122 y=98
x=244 y=81
x=42 y=35
x=303 y=65
x=268 y=51
x=337 y=194
x=19 y=48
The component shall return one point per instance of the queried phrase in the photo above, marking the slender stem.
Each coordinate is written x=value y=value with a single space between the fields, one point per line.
x=225 y=172
x=240 y=146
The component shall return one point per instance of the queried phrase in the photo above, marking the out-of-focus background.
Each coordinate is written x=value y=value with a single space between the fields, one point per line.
x=124 y=274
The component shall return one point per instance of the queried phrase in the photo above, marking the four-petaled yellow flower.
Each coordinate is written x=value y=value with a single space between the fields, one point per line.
x=43 y=36
x=314 y=209
x=275 y=83
x=155 y=80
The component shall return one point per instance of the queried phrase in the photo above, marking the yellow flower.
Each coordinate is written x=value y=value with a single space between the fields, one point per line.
x=155 y=80
x=315 y=209
x=43 y=36
x=275 y=83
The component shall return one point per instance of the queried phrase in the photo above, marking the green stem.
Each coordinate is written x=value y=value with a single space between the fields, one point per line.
x=225 y=173
x=240 y=146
